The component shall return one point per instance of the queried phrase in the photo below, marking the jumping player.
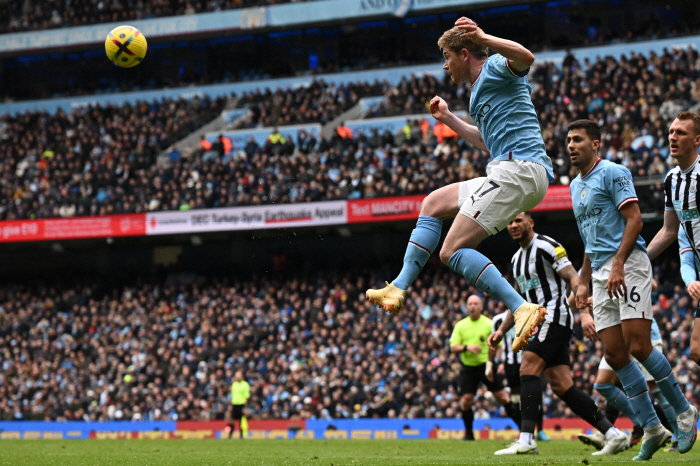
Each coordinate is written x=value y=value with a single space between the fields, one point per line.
x=607 y=213
x=542 y=271
x=516 y=181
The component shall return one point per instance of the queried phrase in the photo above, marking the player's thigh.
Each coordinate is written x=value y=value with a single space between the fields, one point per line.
x=445 y=202
x=532 y=363
x=559 y=378
x=510 y=187
x=695 y=341
x=637 y=334
x=464 y=233
x=606 y=310
x=638 y=279
x=616 y=353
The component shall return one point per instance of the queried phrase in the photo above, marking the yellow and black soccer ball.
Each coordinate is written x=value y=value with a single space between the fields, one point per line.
x=126 y=46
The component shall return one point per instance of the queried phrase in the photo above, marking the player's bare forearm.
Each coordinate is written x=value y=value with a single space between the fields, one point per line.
x=508 y=323
x=633 y=227
x=569 y=275
x=469 y=133
x=520 y=57
x=584 y=275
x=666 y=236
x=457 y=349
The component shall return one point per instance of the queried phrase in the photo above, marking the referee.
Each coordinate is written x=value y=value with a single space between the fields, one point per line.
x=509 y=365
x=542 y=271
x=470 y=339
x=240 y=392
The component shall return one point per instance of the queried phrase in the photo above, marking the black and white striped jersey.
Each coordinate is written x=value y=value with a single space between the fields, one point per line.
x=535 y=270
x=507 y=356
x=680 y=188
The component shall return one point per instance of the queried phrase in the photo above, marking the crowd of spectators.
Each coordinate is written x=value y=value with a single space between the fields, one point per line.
x=100 y=160
x=49 y=14
x=310 y=347
x=73 y=163
x=318 y=102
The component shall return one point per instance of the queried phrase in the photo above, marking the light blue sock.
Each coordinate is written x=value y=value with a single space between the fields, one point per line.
x=660 y=369
x=424 y=239
x=480 y=272
x=668 y=410
x=616 y=398
x=636 y=388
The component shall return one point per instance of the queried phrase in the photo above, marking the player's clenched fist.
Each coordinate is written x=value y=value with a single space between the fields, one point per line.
x=494 y=339
x=470 y=29
x=438 y=108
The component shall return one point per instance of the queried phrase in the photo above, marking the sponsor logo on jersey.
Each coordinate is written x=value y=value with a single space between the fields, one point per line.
x=527 y=285
x=685 y=215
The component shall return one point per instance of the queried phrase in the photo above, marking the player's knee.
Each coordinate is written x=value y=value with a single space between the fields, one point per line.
x=640 y=349
x=559 y=387
x=467 y=401
x=446 y=252
x=695 y=352
x=431 y=206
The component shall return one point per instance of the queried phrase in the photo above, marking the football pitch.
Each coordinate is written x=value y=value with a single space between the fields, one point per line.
x=304 y=452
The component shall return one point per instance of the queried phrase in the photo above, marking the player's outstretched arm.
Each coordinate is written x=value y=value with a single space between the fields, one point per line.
x=666 y=235
x=584 y=278
x=470 y=133
x=518 y=56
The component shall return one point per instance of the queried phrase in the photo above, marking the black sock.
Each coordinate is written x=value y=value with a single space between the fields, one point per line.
x=513 y=412
x=611 y=413
x=468 y=418
x=230 y=432
x=530 y=402
x=662 y=416
x=584 y=407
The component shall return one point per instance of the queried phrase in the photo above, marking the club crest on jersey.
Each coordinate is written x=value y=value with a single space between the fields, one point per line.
x=583 y=193
x=693 y=187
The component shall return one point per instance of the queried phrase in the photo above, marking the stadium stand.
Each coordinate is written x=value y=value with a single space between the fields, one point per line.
x=34 y=16
x=311 y=347
x=634 y=106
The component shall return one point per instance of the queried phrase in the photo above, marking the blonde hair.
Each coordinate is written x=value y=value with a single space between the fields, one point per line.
x=694 y=117
x=451 y=39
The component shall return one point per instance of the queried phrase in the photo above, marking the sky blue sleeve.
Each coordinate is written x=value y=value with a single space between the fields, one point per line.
x=498 y=65
x=687 y=258
x=620 y=185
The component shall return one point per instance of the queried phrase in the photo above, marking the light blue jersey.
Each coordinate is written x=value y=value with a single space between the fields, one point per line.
x=502 y=108
x=689 y=261
x=597 y=197
x=655 y=331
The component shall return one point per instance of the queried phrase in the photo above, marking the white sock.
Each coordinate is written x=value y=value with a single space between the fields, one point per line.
x=613 y=432
x=526 y=438
x=656 y=430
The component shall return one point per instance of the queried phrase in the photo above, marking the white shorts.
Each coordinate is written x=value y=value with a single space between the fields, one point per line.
x=510 y=187
x=658 y=344
x=608 y=312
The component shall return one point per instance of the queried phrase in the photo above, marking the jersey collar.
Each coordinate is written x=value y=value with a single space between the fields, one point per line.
x=534 y=237
x=691 y=167
x=591 y=169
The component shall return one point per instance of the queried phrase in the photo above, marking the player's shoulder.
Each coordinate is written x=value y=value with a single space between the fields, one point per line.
x=674 y=171
x=607 y=166
x=547 y=243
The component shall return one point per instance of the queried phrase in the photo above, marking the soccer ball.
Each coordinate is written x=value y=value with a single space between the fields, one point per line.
x=125 y=46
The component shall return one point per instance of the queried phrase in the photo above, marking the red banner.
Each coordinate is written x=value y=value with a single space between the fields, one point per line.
x=557 y=198
x=385 y=209
x=104 y=226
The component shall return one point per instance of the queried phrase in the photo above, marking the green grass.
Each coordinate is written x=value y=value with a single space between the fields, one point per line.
x=303 y=452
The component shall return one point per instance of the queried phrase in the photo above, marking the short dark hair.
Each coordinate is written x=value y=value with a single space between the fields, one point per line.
x=453 y=40
x=694 y=117
x=590 y=127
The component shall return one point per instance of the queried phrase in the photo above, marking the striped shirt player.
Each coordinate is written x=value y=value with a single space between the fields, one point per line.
x=510 y=359
x=536 y=270
x=680 y=192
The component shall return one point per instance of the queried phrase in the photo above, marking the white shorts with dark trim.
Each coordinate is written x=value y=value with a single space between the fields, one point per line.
x=510 y=187
x=608 y=312
x=658 y=344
